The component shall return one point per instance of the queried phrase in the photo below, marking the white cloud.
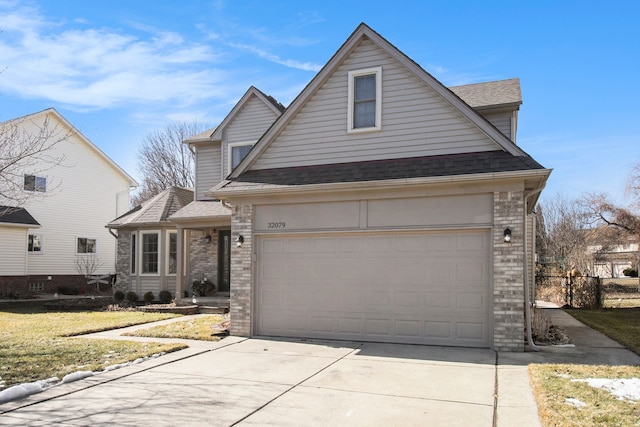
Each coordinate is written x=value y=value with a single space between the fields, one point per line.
x=291 y=63
x=101 y=68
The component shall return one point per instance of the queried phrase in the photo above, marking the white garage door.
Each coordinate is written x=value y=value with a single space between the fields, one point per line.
x=427 y=288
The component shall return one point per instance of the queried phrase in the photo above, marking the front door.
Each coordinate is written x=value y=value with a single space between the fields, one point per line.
x=224 y=260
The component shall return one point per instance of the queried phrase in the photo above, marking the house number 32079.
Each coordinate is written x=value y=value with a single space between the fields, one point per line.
x=276 y=224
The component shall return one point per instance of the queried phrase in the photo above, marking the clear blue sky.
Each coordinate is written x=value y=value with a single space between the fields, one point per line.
x=119 y=69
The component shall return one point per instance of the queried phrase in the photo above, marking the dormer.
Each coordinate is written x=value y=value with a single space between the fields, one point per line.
x=219 y=150
x=497 y=101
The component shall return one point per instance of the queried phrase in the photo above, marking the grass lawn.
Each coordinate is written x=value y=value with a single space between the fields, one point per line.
x=40 y=345
x=553 y=385
x=200 y=328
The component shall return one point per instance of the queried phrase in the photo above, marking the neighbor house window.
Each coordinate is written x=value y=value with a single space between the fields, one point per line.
x=150 y=248
x=133 y=253
x=34 y=243
x=86 y=246
x=172 y=253
x=237 y=152
x=365 y=100
x=35 y=183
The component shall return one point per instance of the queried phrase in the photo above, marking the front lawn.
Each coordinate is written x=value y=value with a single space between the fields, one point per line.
x=201 y=328
x=40 y=345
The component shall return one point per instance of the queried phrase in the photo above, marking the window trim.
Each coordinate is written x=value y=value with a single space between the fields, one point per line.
x=377 y=71
x=95 y=247
x=133 y=255
x=36 y=188
x=141 y=252
x=41 y=243
x=230 y=147
x=168 y=252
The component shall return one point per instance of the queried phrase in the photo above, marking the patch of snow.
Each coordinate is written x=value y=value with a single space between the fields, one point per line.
x=575 y=402
x=622 y=389
x=80 y=375
x=564 y=345
x=23 y=390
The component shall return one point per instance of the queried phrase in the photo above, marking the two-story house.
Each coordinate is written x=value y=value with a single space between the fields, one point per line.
x=59 y=230
x=380 y=205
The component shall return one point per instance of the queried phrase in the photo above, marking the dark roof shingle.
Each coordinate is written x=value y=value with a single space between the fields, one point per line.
x=12 y=215
x=414 y=167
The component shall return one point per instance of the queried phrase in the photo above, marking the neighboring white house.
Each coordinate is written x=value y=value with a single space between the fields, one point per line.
x=71 y=202
x=610 y=260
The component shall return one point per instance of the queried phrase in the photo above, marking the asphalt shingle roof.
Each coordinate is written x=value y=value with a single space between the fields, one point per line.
x=156 y=210
x=13 y=215
x=414 y=167
x=490 y=94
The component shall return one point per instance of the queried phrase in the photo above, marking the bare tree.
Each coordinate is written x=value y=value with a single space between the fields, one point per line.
x=563 y=234
x=165 y=161
x=27 y=146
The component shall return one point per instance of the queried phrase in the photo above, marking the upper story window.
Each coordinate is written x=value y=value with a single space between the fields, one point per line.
x=34 y=243
x=35 y=183
x=237 y=152
x=86 y=246
x=365 y=100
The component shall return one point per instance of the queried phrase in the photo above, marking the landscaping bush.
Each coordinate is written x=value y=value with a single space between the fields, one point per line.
x=165 y=297
x=148 y=297
x=132 y=297
x=68 y=290
x=118 y=296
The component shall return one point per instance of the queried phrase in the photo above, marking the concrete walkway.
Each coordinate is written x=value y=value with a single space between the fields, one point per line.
x=241 y=381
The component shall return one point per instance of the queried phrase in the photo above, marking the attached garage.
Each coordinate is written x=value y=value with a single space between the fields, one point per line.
x=423 y=287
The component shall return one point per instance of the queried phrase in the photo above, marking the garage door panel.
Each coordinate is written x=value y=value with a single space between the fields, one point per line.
x=393 y=287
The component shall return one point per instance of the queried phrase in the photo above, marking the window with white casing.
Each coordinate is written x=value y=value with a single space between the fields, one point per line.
x=172 y=252
x=134 y=260
x=34 y=243
x=35 y=183
x=364 y=112
x=85 y=245
x=237 y=152
x=150 y=251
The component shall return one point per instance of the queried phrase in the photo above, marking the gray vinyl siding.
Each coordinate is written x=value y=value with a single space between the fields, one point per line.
x=208 y=169
x=247 y=126
x=416 y=121
x=502 y=121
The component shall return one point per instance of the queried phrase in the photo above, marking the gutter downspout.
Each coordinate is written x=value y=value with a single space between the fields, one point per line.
x=527 y=285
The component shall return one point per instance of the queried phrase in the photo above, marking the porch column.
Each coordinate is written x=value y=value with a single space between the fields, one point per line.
x=179 y=263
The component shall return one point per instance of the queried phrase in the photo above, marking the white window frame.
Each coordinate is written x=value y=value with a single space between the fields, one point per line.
x=142 y=233
x=41 y=243
x=95 y=252
x=230 y=147
x=133 y=255
x=377 y=71
x=168 y=252
x=36 y=188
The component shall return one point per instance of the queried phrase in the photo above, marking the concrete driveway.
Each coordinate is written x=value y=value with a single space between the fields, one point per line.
x=279 y=382
x=245 y=382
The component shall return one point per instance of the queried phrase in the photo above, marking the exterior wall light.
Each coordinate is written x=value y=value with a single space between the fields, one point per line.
x=239 y=241
x=207 y=239
x=507 y=235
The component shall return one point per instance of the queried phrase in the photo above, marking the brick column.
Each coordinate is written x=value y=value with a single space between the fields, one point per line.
x=123 y=261
x=241 y=270
x=508 y=272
